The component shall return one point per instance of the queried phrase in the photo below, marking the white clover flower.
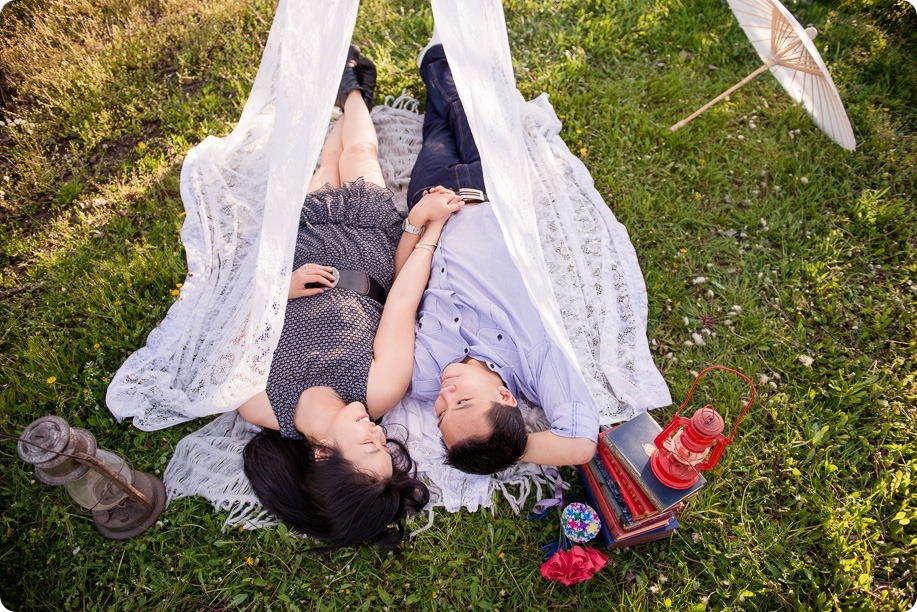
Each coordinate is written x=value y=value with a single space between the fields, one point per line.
x=710 y=293
x=804 y=180
x=687 y=321
x=698 y=339
x=688 y=343
x=805 y=360
x=700 y=280
x=654 y=589
x=737 y=308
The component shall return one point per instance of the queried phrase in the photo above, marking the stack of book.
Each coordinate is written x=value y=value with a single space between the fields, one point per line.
x=634 y=506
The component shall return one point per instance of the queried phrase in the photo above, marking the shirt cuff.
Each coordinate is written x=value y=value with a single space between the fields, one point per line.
x=576 y=420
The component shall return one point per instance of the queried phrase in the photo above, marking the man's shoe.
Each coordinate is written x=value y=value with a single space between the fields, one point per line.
x=434 y=40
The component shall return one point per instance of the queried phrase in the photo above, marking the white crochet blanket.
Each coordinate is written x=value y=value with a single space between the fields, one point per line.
x=214 y=348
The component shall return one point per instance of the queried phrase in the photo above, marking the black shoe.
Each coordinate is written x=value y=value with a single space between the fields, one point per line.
x=349 y=81
x=366 y=76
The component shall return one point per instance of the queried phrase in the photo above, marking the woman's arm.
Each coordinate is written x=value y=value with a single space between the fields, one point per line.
x=257 y=410
x=393 y=346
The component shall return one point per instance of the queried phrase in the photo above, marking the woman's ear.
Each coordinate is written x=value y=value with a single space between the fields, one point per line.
x=321 y=452
x=507 y=398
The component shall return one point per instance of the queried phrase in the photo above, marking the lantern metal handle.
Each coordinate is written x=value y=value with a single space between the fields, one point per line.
x=744 y=410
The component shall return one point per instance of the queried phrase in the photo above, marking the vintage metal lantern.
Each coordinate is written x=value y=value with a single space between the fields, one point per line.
x=124 y=503
x=688 y=446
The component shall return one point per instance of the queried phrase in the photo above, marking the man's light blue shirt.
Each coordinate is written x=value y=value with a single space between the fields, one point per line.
x=476 y=305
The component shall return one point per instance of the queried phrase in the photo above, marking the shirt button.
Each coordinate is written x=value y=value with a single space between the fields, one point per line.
x=492 y=366
x=499 y=336
x=455 y=319
x=466 y=351
x=442 y=269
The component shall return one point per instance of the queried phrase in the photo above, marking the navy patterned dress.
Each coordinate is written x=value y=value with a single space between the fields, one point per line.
x=327 y=339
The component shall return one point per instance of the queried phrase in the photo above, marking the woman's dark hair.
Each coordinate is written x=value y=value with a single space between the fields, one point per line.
x=331 y=499
x=498 y=451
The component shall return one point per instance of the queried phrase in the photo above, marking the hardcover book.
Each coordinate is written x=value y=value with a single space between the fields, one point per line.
x=611 y=533
x=640 y=506
x=632 y=443
x=613 y=496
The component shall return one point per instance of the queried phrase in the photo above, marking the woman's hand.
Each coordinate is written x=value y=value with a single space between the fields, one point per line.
x=315 y=276
x=436 y=205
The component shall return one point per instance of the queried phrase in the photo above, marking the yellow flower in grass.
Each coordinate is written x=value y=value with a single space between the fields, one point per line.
x=250 y=561
x=51 y=380
x=96 y=345
x=117 y=302
x=175 y=292
x=141 y=145
x=38 y=333
x=583 y=151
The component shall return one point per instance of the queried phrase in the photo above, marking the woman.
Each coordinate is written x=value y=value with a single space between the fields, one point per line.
x=322 y=464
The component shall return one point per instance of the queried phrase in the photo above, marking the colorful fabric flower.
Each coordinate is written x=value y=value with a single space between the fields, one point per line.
x=580 y=522
x=574 y=565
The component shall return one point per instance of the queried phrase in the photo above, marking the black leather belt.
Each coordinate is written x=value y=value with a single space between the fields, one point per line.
x=472 y=196
x=357 y=281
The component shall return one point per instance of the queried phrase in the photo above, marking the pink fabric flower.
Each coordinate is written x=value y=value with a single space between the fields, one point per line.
x=574 y=565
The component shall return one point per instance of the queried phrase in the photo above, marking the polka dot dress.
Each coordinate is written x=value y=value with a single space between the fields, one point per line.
x=327 y=339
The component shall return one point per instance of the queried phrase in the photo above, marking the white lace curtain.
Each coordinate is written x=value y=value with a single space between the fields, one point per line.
x=242 y=195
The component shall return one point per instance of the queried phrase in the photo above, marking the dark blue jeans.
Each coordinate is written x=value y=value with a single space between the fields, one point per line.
x=449 y=156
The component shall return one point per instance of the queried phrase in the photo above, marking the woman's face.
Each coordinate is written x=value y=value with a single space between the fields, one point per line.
x=360 y=441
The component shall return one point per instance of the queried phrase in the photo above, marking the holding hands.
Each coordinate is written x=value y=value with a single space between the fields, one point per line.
x=436 y=206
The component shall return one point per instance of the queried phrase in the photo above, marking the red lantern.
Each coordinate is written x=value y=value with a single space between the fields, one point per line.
x=680 y=457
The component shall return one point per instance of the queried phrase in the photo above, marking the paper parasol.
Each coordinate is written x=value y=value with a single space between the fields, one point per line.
x=788 y=52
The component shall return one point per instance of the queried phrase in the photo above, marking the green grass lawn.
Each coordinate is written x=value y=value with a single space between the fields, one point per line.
x=794 y=260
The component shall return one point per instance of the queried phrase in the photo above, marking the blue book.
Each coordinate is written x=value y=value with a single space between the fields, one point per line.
x=632 y=443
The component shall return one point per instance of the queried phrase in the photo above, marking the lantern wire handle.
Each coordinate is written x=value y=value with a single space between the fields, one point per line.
x=96 y=464
x=737 y=373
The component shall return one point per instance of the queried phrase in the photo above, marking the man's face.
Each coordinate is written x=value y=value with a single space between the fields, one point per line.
x=467 y=392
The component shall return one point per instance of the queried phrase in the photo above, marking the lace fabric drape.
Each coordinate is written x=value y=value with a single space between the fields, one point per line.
x=214 y=348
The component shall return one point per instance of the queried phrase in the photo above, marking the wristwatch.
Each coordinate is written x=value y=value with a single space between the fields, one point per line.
x=411 y=229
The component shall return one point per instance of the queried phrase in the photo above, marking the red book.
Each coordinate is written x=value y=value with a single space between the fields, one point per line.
x=611 y=518
x=637 y=502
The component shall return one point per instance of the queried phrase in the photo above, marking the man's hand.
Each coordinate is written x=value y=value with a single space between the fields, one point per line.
x=436 y=205
x=310 y=279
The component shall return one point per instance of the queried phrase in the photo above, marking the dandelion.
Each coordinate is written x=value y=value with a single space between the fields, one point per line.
x=697 y=196
x=141 y=145
x=579 y=131
x=435 y=595
x=51 y=380
x=38 y=333
x=175 y=292
x=96 y=345
x=117 y=302
x=583 y=151
x=250 y=561
x=805 y=360
x=502 y=555
x=178 y=285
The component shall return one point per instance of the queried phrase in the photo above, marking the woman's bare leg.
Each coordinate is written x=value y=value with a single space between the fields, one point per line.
x=360 y=157
x=328 y=168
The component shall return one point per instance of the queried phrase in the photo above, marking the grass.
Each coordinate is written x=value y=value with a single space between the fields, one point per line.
x=808 y=253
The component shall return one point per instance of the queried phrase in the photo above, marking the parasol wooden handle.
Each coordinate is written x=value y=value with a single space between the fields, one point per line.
x=685 y=121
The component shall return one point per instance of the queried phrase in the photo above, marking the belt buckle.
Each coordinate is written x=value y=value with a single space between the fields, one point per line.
x=475 y=196
x=337 y=276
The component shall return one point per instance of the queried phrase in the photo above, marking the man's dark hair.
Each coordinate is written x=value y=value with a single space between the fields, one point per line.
x=330 y=498
x=498 y=451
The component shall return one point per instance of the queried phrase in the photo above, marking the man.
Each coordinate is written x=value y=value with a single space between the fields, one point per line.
x=480 y=341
